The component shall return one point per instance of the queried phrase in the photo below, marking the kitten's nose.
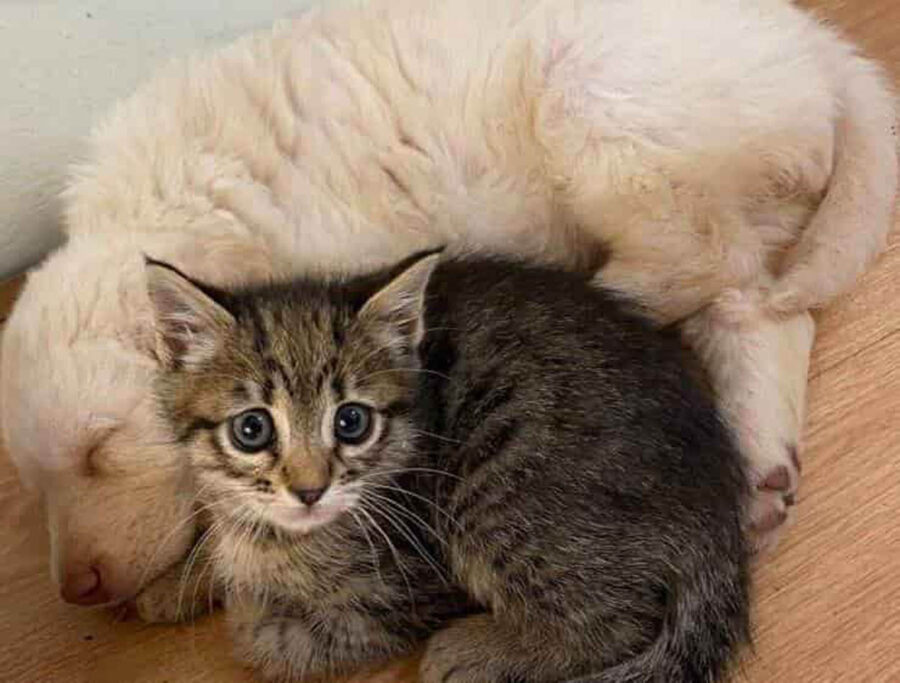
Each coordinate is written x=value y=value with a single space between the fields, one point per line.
x=308 y=496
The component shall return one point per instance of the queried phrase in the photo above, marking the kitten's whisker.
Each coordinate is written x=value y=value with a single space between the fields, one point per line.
x=400 y=566
x=178 y=525
x=210 y=591
x=257 y=530
x=403 y=470
x=375 y=560
x=234 y=526
x=388 y=346
x=409 y=536
x=214 y=528
x=191 y=561
x=423 y=432
x=376 y=350
x=424 y=371
x=408 y=514
x=406 y=492
x=247 y=524
x=250 y=528
x=198 y=580
x=208 y=536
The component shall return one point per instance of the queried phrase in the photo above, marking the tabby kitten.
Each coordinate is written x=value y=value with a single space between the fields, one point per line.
x=498 y=457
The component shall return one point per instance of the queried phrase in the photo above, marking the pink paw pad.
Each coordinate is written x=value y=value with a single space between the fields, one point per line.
x=775 y=495
x=778 y=479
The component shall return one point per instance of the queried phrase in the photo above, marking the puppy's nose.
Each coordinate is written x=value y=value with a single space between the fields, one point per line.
x=308 y=496
x=84 y=587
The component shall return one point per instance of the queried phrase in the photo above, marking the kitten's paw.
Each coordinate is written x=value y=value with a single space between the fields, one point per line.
x=482 y=649
x=445 y=661
x=278 y=649
x=462 y=652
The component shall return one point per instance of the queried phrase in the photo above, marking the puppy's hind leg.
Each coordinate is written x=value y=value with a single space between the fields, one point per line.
x=851 y=225
x=758 y=367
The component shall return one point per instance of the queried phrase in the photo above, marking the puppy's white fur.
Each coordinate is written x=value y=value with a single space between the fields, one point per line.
x=732 y=157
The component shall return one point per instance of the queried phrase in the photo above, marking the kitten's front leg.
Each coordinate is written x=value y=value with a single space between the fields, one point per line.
x=484 y=649
x=758 y=367
x=278 y=647
x=290 y=643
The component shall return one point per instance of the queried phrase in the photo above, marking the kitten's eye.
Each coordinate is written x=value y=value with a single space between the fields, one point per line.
x=252 y=430
x=352 y=423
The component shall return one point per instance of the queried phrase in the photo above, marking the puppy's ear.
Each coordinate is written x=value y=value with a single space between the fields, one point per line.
x=190 y=324
x=400 y=305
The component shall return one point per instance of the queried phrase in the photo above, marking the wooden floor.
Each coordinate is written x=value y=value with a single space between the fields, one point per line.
x=828 y=601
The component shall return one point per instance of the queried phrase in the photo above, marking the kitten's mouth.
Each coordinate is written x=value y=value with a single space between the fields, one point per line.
x=298 y=519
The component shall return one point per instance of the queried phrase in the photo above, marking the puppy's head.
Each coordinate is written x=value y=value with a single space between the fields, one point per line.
x=79 y=422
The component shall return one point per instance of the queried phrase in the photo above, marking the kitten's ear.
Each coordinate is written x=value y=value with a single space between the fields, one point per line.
x=189 y=323
x=402 y=302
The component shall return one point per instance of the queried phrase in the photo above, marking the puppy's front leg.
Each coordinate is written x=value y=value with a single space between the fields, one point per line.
x=758 y=367
x=183 y=592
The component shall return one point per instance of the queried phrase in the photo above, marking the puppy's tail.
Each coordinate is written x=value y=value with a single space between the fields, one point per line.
x=851 y=225
x=707 y=622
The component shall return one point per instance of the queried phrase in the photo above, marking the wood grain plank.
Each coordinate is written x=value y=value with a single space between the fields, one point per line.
x=46 y=640
x=829 y=601
x=872 y=309
x=863 y=316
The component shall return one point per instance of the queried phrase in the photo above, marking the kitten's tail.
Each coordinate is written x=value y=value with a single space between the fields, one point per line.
x=708 y=621
x=851 y=225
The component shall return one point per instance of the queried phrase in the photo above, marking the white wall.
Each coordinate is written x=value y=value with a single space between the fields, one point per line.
x=62 y=63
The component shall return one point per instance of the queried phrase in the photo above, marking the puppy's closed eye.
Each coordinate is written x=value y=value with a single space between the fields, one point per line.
x=91 y=460
x=92 y=452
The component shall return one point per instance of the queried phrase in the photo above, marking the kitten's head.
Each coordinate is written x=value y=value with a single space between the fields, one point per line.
x=290 y=399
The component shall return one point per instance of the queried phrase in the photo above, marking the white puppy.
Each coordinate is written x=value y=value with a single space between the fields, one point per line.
x=729 y=162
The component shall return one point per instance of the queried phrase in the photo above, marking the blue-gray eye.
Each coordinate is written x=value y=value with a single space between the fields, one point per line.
x=352 y=423
x=252 y=431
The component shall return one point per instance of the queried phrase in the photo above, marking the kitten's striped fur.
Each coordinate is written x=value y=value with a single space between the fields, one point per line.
x=545 y=492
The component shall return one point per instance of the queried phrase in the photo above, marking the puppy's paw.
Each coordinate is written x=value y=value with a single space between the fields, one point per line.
x=770 y=418
x=158 y=604
x=774 y=494
x=768 y=440
x=759 y=373
x=175 y=596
